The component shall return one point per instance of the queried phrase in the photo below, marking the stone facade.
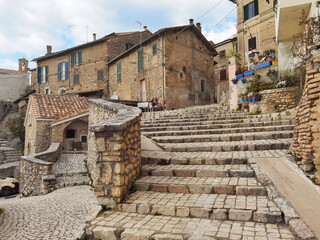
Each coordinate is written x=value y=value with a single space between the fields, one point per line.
x=177 y=68
x=276 y=100
x=306 y=140
x=261 y=27
x=93 y=57
x=221 y=68
x=114 y=149
x=35 y=172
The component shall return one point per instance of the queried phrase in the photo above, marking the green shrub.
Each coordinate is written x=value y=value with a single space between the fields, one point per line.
x=16 y=126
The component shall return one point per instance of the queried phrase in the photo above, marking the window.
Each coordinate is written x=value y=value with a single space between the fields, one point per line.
x=140 y=60
x=203 y=85
x=181 y=75
x=100 y=75
x=184 y=68
x=63 y=71
x=119 y=72
x=42 y=74
x=47 y=91
x=71 y=133
x=223 y=75
x=76 y=58
x=76 y=79
x=154 y=49
x=252 y=43
x=128 y=45
x=250 y=10
x=84 y=139
x=222 y=54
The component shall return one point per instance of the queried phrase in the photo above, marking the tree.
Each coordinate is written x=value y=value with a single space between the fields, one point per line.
x=16 y=126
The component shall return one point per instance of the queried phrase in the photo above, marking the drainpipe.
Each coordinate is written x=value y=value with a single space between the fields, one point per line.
x=163 y=68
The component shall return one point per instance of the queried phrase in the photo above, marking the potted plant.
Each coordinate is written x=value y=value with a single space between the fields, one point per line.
x=243 y=80
x=239 y=73
x=233 y=56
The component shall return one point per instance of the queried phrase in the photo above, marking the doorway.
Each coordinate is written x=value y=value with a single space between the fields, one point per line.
x=143 y=91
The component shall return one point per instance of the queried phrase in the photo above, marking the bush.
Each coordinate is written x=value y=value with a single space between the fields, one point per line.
x=16 y=126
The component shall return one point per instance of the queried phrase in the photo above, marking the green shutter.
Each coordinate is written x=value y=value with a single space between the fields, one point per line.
x=79 y=57
x=245 y=12
x=39 y=75
x=119 y=72
x=256 y=7
x=72 y=59
x=140 y=60
x=46 y=78
x=154 y=49
x=67 y=71
x=59 y=71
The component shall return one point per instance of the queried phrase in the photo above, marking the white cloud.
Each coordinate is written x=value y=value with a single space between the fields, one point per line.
x=218 y=35
x=26 y=27
x=8 y=64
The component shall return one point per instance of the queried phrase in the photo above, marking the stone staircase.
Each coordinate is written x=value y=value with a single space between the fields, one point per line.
x=70 y=170
x=8 y=155
x=202 y=186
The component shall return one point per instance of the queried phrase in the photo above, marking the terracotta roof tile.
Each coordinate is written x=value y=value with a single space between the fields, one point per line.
x=58 y=107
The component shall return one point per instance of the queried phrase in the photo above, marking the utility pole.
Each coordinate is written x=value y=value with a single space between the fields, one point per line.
x=140 y=32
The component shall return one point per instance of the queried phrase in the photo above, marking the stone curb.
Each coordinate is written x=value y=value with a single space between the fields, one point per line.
x=291 y=218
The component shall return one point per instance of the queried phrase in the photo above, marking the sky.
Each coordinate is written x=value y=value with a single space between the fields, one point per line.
x=27 y=27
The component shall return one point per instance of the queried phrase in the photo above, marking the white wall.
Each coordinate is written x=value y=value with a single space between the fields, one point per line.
x=12 y=86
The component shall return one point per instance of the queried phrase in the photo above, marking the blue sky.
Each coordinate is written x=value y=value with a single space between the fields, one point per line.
x=26 y=27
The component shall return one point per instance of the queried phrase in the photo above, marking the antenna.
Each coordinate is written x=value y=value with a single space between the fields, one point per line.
x=140 y=32
x=87 y=28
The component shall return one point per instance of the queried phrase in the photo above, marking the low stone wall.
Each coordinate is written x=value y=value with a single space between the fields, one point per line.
x=114 y=149
x=35 y=171
x=276 y=100
x=306 y=138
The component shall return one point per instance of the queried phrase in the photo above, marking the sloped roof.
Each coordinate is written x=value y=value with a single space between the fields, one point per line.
x=54 y=107
x=233 y=39
x=163 y=31
x=88 y=44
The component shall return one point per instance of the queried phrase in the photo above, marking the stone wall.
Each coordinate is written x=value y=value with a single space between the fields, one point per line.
x=114 y=149
x=35 y=171
x=5 y=108
x=306 y=139
x=276 y=100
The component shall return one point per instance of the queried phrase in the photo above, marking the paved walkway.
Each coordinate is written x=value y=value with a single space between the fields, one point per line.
x=58 y=215
x=299 y=191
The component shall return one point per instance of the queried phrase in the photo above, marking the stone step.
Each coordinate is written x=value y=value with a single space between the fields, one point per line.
x=226 y=146
x=198 y=170
x=218 y=185
x=130 y=226
x=71 y=180
x=213 y=206
x=216 y=126
x=206 y=158
x=225 y=137
x=220 y=131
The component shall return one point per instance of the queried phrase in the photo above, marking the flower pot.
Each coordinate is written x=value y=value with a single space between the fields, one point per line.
x=234 y=81
x=250 y=99
x=243 y=99
x=243 y=80
x=239 y=76
x=262 y=65
x=248 y=73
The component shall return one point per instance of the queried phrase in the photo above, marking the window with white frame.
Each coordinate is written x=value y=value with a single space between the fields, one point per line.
x=42 y=74
x=63 y=71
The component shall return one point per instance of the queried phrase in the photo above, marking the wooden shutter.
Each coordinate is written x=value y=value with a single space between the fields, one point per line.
x=79 y=57
x=39 y=74
x=245 y=12
x=140 y=60
x=119 y=72
x=67 y=71
x=256 y=7
x=223 y=75
x=46 y=80
x=59 y=71
x=72 y=59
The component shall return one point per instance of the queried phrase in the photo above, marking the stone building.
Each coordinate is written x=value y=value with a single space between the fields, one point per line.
x=174 y=65
x=82 y=69
x=52 y=118
x=14 y=83
x=255 y=26
x=222 y=66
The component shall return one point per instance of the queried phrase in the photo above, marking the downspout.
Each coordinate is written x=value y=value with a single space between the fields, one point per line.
x=163 y=68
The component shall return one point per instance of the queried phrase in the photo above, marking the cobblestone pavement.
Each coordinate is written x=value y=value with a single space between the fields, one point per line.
x=204 y=184
x=59 y=215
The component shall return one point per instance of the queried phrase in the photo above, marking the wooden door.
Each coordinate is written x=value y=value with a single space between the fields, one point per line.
x=143 y=90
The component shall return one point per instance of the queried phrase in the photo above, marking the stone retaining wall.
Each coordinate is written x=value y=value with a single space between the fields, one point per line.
x=276 y=100
x=35 y=171
x=114 y=149
x=306 y=139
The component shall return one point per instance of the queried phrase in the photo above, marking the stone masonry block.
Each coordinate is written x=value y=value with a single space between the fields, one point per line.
x=178 y=189
x=129 y=208
x=183 y=211
x=159 y=188
x=224 y=189
x=166 y=237
x=301 y=229
x=144 y=208
x=267 y=217
x=251 y=191
x=105 y=233
x=164 y=210
x=185 y=173
x=240 y=215
x=219 y=214
x=195 y=188
x=199 y=212
x=136 y=234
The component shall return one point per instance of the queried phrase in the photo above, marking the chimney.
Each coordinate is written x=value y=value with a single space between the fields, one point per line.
x=94 y=36
x=145 y=28
x=49 y=49
x=199 y=26
x=191 y=20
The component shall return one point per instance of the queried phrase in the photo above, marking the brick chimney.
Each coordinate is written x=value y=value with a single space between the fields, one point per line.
x=49 y=49
x=199 y=26
x=191 y=20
